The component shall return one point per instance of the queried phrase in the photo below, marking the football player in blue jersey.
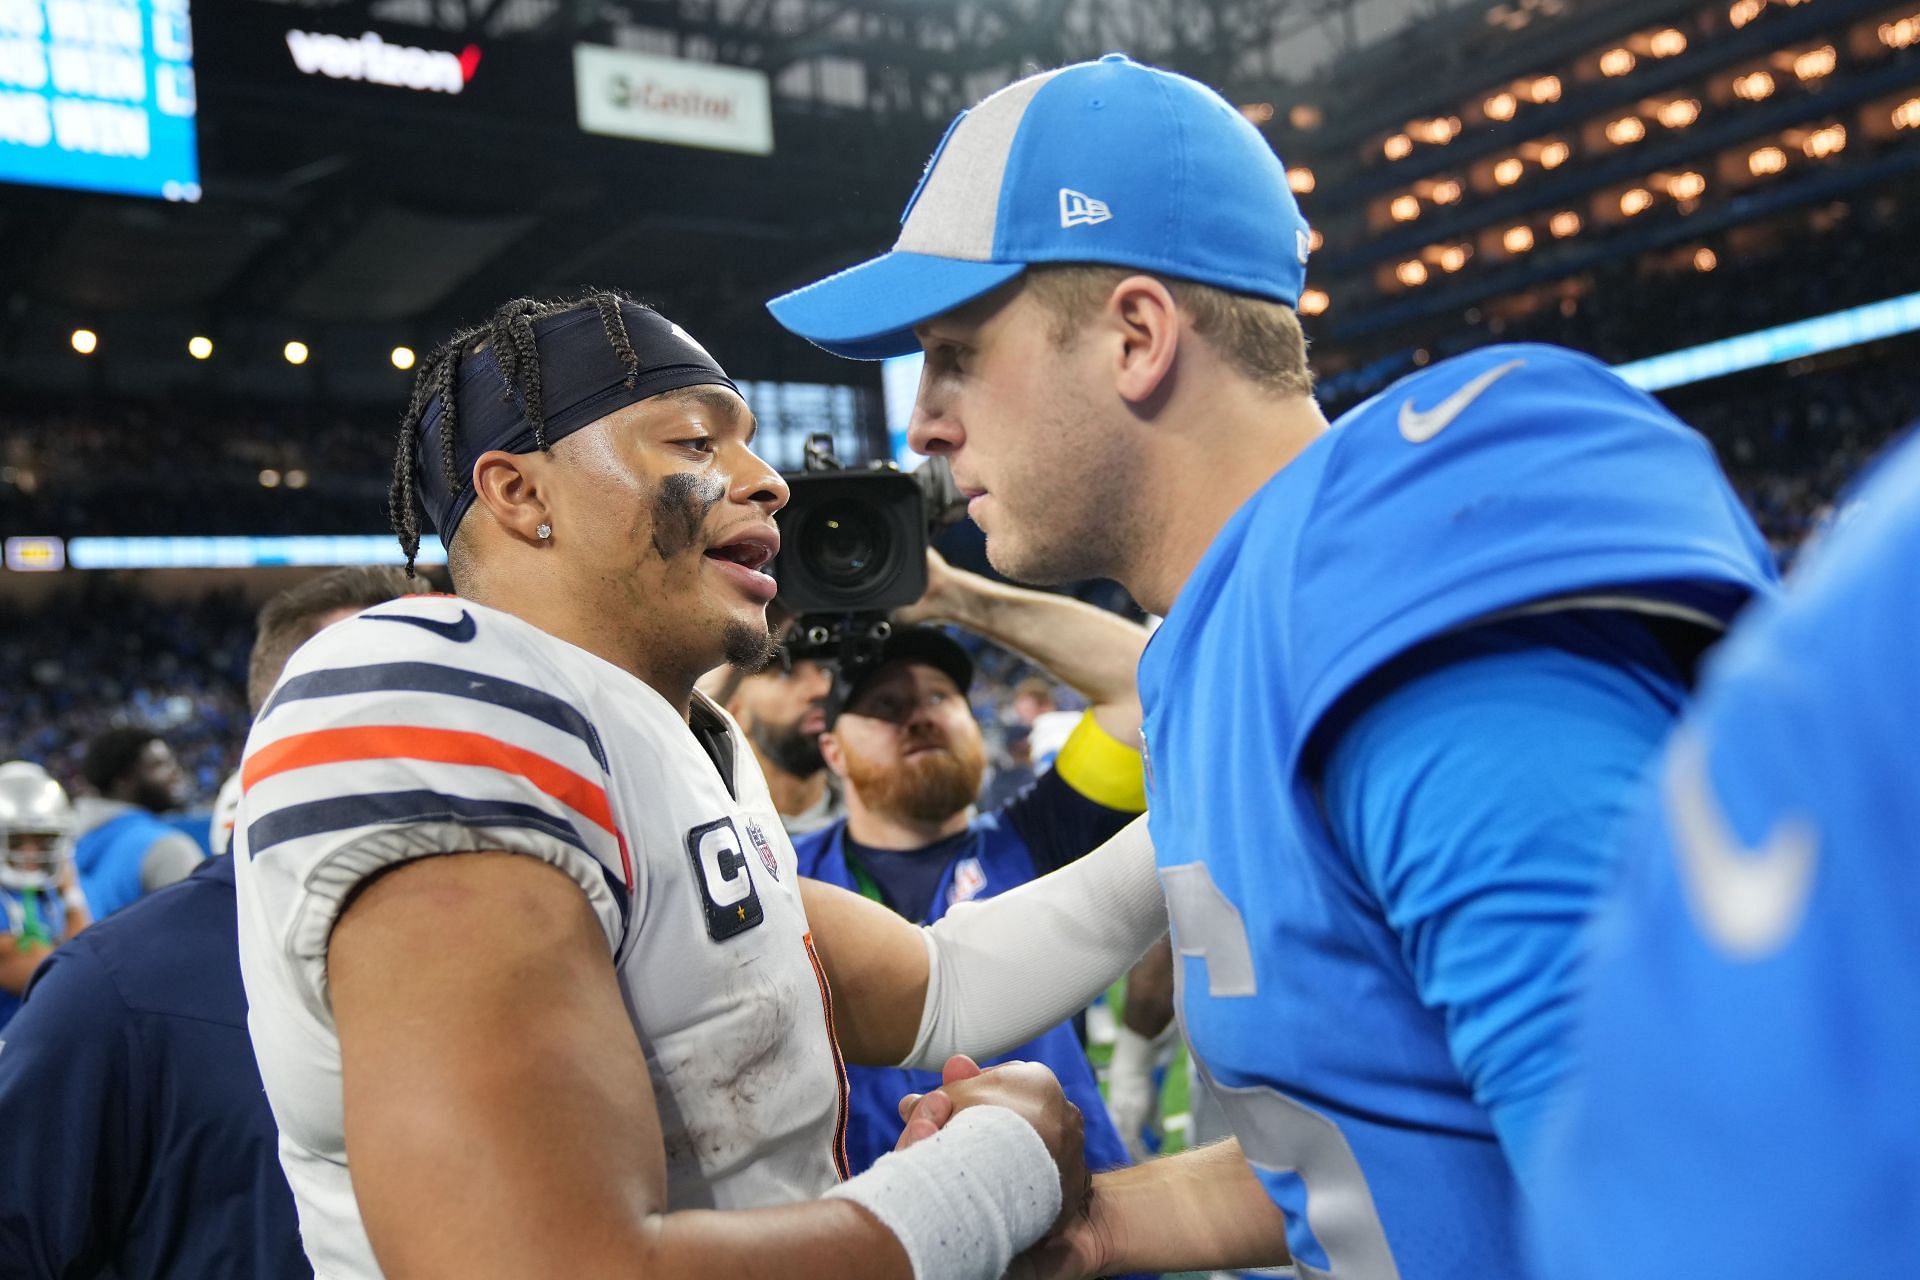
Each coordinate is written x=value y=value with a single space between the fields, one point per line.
x=1411 y=667
x=1745 y=1095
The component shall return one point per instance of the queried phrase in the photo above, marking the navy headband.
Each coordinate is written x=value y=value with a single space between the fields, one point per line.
x=582 y=380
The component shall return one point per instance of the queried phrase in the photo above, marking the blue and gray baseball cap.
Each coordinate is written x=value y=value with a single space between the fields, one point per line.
x=1100 y=162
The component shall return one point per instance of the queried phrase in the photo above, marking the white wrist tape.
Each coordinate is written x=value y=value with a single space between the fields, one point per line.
x=967 y=1200
x=1083 y=927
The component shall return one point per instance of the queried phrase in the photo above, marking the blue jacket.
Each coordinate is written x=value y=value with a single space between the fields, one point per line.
x=110 y=856
x=134 y=1130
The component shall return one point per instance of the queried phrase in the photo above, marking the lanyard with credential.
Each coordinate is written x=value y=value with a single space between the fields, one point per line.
x=863 y=878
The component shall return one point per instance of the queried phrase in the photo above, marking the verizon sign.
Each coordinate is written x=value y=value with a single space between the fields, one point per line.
x=369 y=58
x=691 y=104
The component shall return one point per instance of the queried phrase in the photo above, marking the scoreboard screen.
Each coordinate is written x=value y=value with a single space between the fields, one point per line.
x=98 y=95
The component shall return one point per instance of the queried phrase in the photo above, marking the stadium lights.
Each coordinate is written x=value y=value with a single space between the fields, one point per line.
x=296 y=479
x=1257 y=112
x=1636 y=201
x=1821 y=143
x=1300 y=178
x=1745 y=11
x=1564 y=224
x=1617 y=62
x=1445 y=191
x=1626 y=131
x=1705 y=259
x=1902 y=34
x=1314 y=240
x=1404 y=208
x=1314 y=302
x=1501 y=106
x=1756 y=87
x=1454 y=257
x=1669 y=43
x=1411 y=273
x=1907 y=114
x=1509 y=171
x=1305 y=116
x=1766 y=162
x=295 y=352
x=1437 y=132
x=85 y=341
x=1544 y=89
x=1517 y=239
x=1815 y=63
x=269 y=478
x=1679 y=113
x=402 y=358
x=1398 y=147
x=1686 y=186
x=200 y=348
x=1555 y=154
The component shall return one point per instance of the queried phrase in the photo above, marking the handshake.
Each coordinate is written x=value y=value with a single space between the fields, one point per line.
x=1030 y=1091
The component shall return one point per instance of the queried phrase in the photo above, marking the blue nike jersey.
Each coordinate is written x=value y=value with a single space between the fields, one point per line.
x=1511 y=478
x=1745 y=1103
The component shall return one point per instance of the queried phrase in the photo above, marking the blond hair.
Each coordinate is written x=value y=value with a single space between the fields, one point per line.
x=1261 y=339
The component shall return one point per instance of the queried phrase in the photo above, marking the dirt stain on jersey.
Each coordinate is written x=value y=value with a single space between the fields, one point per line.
x=680 y=509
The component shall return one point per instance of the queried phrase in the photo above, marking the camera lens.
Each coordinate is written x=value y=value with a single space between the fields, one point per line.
x=843 y=544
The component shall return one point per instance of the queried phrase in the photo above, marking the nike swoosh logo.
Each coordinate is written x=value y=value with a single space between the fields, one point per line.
x=459 y=632
x=1418 y=426
x=1749 y=901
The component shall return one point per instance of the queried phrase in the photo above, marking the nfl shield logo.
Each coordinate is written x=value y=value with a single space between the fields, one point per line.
x=758 y=839
x=968 y=880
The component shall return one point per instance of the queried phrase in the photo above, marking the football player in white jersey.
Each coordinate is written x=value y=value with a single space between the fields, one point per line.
x=560 y=1051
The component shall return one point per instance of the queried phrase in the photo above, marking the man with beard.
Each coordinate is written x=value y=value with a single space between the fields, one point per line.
x=905 y=746
x=782 y=709
x=124 y=850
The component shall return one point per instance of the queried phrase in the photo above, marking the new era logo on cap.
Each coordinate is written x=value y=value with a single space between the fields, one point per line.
x=1078 y=209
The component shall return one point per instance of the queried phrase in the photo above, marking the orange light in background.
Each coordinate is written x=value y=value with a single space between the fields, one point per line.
x=1907 y=114
x=1305 y=116
x=1555 y=154
x=1766 y=161
x=1626 y=130
x=1563 y=224
x=1314 y=302
x=1745 y=11
x=1636 y=202
x=1821 y=143
x=1705 y=259
x=1508 y=171
x=1544 y=89
x=1438 y=131
x=1315 y=240
x=1517 y=239
x=200 y=347
x=1446 y=191
x=1257 y=112
x=295 y=352
x=1902 y=34
x=1411 y=273
x=1667 y=44
x=1501 y=106
x=1617 y=62
x=84 y=341
x=1300 y=178
x=1815 y=63
x=402 y=357
x=1454 y=257
x=1755 y=87
x=1686 y=186
x=1398 y=147
x=1679 y=113
x=1404 y=208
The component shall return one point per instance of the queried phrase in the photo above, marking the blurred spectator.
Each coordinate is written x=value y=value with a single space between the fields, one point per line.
x=124 y=851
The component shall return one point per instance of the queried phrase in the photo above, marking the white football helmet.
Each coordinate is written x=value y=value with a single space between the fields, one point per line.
x=36 y=827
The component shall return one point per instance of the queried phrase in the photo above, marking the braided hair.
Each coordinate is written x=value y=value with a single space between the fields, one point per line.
x=509 y=331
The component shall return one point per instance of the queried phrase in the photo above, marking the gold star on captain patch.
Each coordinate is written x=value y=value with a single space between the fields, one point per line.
x=742 y=911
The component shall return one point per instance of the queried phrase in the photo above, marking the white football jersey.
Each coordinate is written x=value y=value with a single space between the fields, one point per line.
x=433 y=725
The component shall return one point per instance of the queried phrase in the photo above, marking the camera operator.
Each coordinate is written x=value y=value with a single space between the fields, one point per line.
x=903 y=743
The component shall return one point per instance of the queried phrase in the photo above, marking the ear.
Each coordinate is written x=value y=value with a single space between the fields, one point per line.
x=1142 y=314
x=832 y=755
x=509 y=486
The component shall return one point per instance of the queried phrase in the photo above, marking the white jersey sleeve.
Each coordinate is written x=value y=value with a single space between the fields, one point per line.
x=410 y=731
